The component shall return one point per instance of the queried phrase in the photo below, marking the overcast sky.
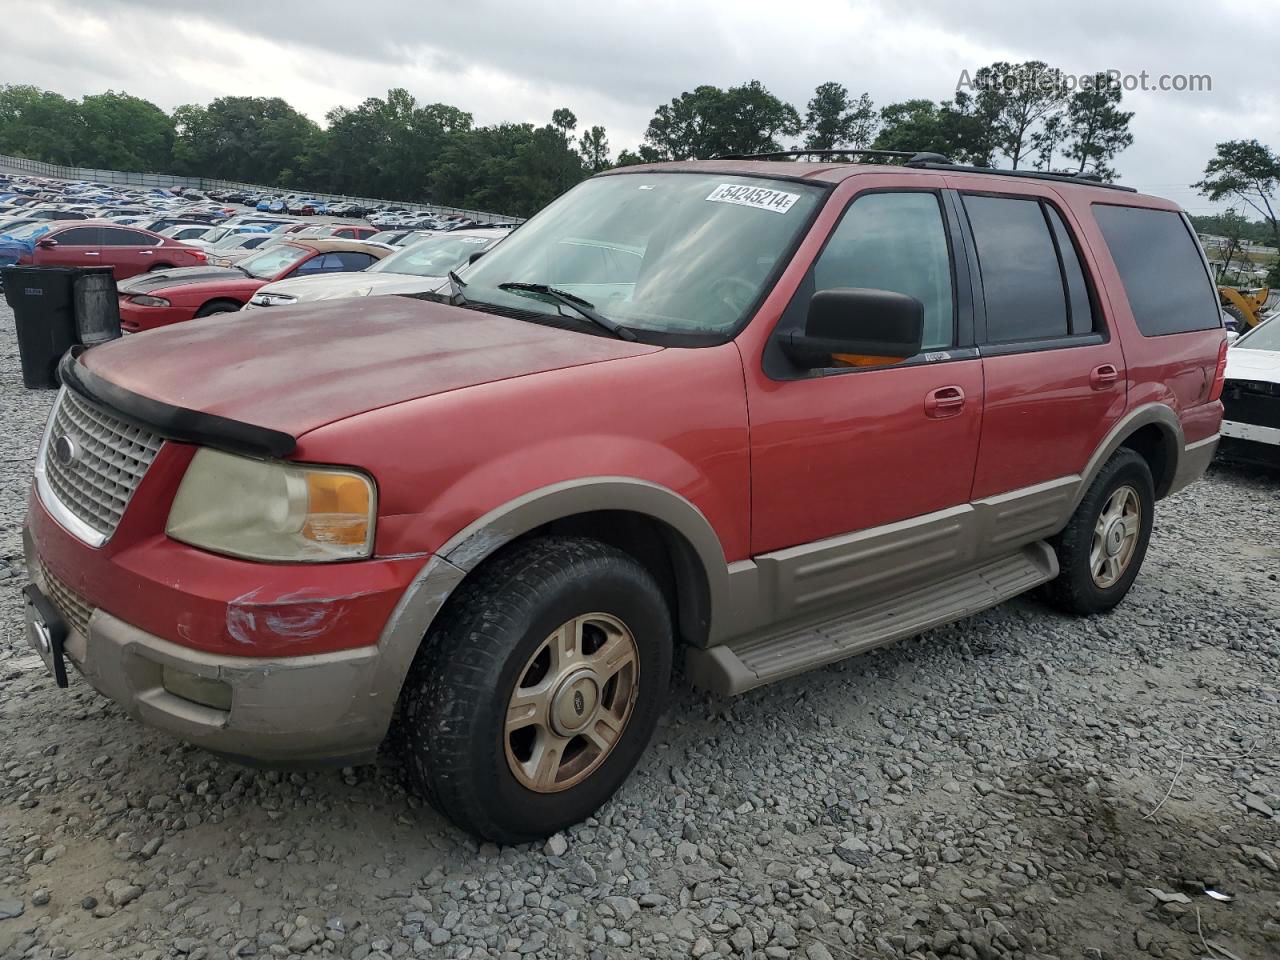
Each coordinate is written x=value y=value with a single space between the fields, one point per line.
x=612 y=62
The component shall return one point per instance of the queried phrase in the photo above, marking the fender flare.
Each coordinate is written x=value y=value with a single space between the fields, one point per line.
x=445 y=570
x=1158 y=414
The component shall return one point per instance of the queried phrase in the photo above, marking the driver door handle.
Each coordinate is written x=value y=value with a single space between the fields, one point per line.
x=1103 y=376
x=944 y=402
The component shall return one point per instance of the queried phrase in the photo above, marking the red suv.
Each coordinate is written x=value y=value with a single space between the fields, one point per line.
x=128 y=250
x=766 y=414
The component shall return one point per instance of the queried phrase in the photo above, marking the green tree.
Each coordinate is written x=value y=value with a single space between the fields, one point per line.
x=955 y=128
x=40 y=125
x=1249 y=171
x=1097 y=129
x=833 y=119
x=709 y=122
x=594 y=148
x=565 y=121
x=120 y=132
x=1017 y=98
x=1046 y=141
x=251 y=139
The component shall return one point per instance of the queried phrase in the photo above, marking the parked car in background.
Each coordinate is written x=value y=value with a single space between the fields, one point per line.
x=231 y=249
x=420 y=268
x=213 y=235
x=1251 y=397
x=400 y=237
x=161 y=299
x=127 y=250
x=183 y=232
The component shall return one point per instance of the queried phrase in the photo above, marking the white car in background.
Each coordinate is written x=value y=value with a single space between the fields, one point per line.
x=420 y=268
x=1251 y=397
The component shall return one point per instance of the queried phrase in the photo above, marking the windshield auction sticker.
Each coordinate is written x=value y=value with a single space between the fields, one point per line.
x=762 y=198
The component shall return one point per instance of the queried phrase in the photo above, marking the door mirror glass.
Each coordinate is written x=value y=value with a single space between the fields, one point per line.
x=857 y=327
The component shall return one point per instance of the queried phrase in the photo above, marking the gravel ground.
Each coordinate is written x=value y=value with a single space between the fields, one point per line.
x=1017 y=785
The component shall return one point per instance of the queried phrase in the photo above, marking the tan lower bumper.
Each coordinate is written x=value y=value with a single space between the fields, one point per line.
x=284 y=711
x=1194 y=461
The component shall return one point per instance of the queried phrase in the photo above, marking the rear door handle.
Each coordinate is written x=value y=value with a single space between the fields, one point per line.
x=148 y=253
x=944 y=402
x=1103 y=376
x=92 y=253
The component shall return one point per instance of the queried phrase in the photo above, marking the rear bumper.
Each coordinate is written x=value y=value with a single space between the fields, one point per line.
x=1194 y=461
x=1252 y=431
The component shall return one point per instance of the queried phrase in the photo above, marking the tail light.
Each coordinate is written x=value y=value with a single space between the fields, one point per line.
x=1220 y=374
x=199 y=256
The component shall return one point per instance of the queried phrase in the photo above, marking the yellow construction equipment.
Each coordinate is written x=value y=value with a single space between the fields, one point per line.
x=1245 y=305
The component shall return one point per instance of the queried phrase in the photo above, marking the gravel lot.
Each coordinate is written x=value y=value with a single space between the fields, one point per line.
x=1017 y=785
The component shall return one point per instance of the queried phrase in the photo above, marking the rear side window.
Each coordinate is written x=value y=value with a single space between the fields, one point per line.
x=1021 y=278
x=1162 y=269
x=353 y=260
x=117 y=237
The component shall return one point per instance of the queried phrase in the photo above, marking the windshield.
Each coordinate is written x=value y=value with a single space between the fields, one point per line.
x=272 y=261
x=433 y=257
x=29 y=230
x=659 y=252
x=1265 y=336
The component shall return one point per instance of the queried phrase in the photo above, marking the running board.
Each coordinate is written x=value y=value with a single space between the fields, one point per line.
x=742 y=665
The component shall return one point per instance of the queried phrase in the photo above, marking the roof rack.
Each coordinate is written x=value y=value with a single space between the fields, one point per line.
x=925 y=160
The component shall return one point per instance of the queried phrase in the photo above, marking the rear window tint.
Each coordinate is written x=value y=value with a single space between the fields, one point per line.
x=1021 y=277
x=1162 y=269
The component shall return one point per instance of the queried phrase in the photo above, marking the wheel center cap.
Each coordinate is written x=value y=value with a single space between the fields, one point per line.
x=1113 y=540
x=574 y=705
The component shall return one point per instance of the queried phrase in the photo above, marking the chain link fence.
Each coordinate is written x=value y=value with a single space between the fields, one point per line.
x=204 y=184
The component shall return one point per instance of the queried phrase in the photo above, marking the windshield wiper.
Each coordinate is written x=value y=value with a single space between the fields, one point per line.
x=584 y=307
x=456 y=285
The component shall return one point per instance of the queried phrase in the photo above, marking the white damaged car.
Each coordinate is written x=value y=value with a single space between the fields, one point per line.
x=1251 y=397
x=420 y=268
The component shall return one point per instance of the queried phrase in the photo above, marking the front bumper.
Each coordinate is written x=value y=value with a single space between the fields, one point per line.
x=135 y=318
x=313 y=672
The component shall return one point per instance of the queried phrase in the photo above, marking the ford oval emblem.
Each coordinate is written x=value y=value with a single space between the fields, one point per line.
x=65 y=450
x=579 y=702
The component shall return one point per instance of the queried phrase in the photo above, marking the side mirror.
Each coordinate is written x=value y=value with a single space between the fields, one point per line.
x=48 y=243
x=475 y=256
x=859 y=327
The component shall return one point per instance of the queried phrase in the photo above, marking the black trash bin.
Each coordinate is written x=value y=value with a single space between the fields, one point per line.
x=43 y=303
x=97 y=306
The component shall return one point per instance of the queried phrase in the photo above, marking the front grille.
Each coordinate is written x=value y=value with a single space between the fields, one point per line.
x=1244 y=405
x=75 y=609
x=109 y=459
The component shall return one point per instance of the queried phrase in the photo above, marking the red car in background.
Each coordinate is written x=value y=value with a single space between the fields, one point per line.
x=160 y=299
x=128 y=250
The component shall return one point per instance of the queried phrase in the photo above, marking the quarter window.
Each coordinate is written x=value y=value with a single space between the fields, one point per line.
x=1162 y=269
x=897 y=242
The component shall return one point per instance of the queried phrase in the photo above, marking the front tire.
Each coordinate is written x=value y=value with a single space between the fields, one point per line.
x=537 y=691
x=1102 y=547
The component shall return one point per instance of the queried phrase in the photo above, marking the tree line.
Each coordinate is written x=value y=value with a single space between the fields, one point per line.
x=395 y=147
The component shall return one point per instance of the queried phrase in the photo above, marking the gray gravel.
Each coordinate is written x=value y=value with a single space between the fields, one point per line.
x=1018 y=785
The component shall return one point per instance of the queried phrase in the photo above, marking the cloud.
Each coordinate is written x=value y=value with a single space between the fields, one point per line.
x=613 y=63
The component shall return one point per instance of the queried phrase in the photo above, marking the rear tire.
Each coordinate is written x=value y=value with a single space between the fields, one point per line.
x=1102 y=547
x=217 y=306
x=490 y=708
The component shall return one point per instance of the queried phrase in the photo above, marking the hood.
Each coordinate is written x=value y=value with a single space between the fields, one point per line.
x=303 y=367
x=179 y=277
x=334 y=286
x=1245 y=364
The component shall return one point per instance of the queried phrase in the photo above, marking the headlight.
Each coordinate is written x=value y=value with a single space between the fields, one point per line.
x=270 y=510
x=273 y=299
x=145 y=301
